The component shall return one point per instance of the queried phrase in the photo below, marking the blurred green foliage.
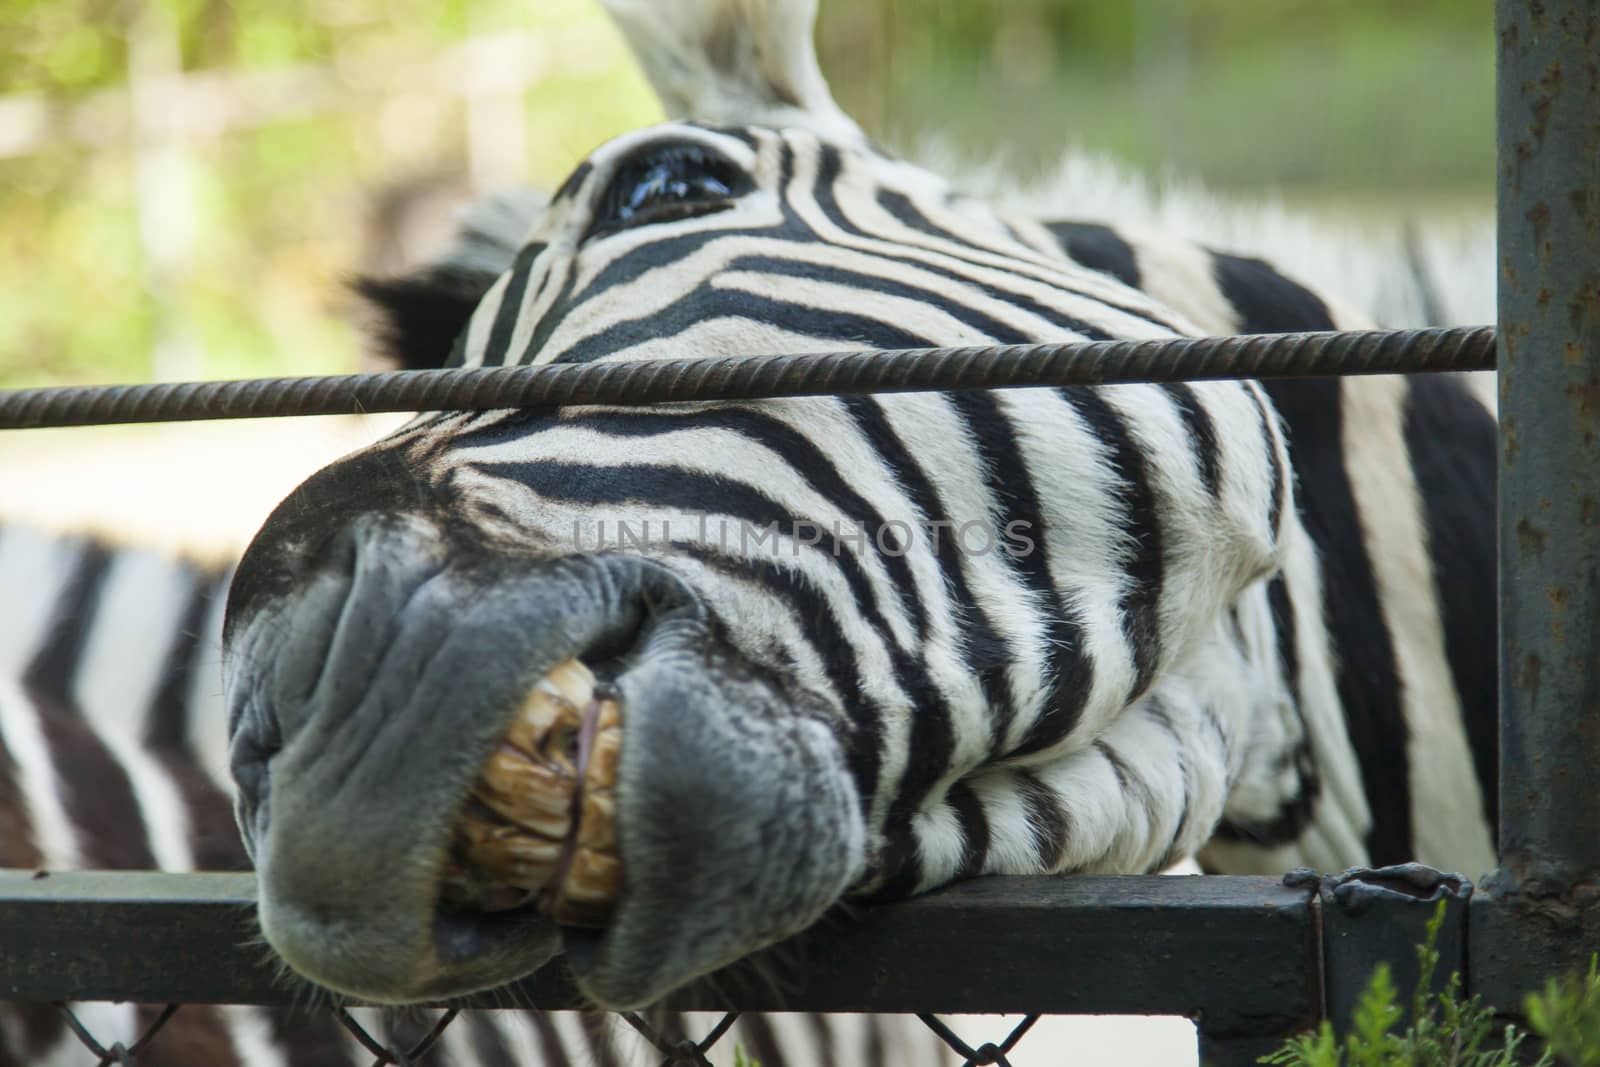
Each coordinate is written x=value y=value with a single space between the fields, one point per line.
x=1386 y=98
x=282 y=212
x=1443 y=1028
x=1353 y=94
x=69 y=46
x=1567 y=1015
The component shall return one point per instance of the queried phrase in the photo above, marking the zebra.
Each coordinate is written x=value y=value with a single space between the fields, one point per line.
x=1247 y=302
x=1240 y=620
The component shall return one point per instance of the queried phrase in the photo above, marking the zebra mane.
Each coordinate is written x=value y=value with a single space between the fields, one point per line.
x=734 y=62
x=1398 y=273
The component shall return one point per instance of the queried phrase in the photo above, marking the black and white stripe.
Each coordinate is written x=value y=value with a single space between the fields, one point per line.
x=1349 y=691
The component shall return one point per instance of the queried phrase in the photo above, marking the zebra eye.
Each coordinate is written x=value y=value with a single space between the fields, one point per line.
x=664 y=183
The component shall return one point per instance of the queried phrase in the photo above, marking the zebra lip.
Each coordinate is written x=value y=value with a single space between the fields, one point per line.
x=464 y=936
x=581 y=945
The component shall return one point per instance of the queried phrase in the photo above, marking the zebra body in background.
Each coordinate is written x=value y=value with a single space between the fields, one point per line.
x=1355 y=749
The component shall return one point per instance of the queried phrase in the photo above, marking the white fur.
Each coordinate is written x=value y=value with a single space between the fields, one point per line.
x=1342 y=819
x=137 y=614
x=54 y=835
x=250 y=1031
x=1363 y=268
x=207 y=718
x=734 y=62
x=109 y=1023
x=926 y=425
x=37 y=566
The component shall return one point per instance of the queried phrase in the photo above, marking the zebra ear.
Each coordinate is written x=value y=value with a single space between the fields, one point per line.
x=734 y=62
x=411 y=321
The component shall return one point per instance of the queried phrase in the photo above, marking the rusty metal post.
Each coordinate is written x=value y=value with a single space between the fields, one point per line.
x=1542 y=908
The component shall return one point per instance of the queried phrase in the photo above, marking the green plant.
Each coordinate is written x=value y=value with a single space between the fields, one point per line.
x=1567 y=1016
x=1444 y=1030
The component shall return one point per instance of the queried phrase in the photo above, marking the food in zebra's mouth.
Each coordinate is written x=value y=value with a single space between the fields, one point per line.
x=538 y=825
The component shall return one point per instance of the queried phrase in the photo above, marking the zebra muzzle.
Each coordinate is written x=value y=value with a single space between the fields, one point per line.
x=538 y=825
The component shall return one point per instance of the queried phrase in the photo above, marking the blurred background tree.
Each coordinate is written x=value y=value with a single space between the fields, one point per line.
x=184 y=184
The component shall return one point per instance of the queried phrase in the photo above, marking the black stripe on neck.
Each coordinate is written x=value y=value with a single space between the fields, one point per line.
x=1368 y=680
x=56 y=661
x=1451 y=442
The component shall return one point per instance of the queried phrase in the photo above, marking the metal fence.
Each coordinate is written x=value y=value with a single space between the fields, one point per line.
x=1251 y=960
x=675 y=1048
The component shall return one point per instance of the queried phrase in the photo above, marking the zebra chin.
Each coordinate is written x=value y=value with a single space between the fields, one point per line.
x=371 y=693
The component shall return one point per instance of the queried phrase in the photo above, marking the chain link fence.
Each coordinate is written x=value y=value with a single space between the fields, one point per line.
x=676 y=1051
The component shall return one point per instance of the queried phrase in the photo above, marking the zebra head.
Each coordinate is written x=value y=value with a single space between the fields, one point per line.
x=846 y=646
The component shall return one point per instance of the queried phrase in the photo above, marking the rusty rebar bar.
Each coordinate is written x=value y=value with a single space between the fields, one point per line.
x=744 y=378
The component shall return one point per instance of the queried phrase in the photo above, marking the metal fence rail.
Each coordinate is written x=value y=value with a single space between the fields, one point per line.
x=1241 y=955
x=155 y=938
x=1249 y=958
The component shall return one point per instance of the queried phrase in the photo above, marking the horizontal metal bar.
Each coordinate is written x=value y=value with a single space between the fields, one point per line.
x=90 y=935
x=1239 y=953
x=750 y=377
